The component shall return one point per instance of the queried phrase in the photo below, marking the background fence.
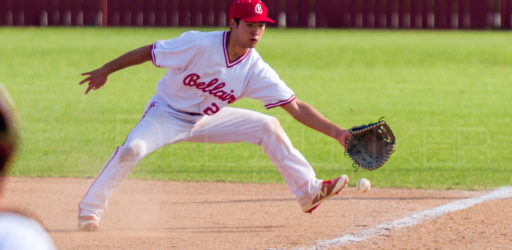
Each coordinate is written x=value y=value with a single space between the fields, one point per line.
x=393 y=14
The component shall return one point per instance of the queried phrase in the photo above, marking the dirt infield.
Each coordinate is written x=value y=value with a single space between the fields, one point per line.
x=165 y=214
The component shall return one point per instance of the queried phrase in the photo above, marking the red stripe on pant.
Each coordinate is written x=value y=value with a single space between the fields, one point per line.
x=94 y=182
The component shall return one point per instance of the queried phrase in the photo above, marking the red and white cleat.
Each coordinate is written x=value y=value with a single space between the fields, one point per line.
x=329 y=188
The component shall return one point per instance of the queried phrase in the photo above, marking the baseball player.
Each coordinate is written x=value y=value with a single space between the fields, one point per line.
x=17 y=231
x=206 y=71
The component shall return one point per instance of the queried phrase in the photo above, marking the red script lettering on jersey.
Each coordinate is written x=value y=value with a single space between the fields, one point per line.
x=214 y=87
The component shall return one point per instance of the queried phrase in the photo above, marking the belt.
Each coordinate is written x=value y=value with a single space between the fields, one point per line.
x=184 y=112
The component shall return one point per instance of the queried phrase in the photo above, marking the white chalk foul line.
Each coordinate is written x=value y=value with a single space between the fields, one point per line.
x=500 y=193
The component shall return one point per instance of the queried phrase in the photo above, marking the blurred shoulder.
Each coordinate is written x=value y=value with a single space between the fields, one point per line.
x=21 y=232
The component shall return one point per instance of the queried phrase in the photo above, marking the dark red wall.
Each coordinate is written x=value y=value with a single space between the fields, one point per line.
x=400 y=14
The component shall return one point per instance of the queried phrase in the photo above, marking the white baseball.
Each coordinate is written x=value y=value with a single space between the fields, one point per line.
x=363 y=185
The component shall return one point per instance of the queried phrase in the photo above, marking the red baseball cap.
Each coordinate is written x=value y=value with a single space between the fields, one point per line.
x=250 y=11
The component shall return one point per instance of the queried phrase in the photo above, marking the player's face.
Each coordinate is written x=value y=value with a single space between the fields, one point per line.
x=247 y=34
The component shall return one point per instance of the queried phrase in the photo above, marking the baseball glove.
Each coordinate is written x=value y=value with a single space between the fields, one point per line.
x=370 y=146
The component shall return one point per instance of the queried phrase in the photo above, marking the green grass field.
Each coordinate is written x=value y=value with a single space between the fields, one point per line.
x=446 y=94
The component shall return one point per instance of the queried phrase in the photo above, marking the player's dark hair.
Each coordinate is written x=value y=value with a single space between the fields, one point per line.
x=237 y=21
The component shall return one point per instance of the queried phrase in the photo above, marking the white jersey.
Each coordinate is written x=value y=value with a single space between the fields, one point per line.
x=19 y=232
x=201 y=79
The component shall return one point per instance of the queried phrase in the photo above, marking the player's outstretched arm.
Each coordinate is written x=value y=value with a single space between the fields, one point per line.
x=310 y=117
x=98 y=77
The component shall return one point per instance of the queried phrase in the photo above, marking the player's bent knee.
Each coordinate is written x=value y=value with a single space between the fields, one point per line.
x=132 y=151
x=272 y=125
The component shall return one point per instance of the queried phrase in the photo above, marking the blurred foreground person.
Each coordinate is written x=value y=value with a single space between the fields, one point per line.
x=17 y=230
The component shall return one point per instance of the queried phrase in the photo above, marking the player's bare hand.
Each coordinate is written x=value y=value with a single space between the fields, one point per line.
x=343 y=137
x=96 y=79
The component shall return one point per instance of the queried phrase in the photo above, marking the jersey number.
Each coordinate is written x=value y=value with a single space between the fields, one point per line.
x=212 y=109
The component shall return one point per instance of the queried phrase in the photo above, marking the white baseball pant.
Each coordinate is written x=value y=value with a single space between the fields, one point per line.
x=162 y=125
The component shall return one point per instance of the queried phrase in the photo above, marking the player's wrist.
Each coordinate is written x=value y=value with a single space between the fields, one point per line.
x=339 y=133
x=342 y=136
x=105 y=70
